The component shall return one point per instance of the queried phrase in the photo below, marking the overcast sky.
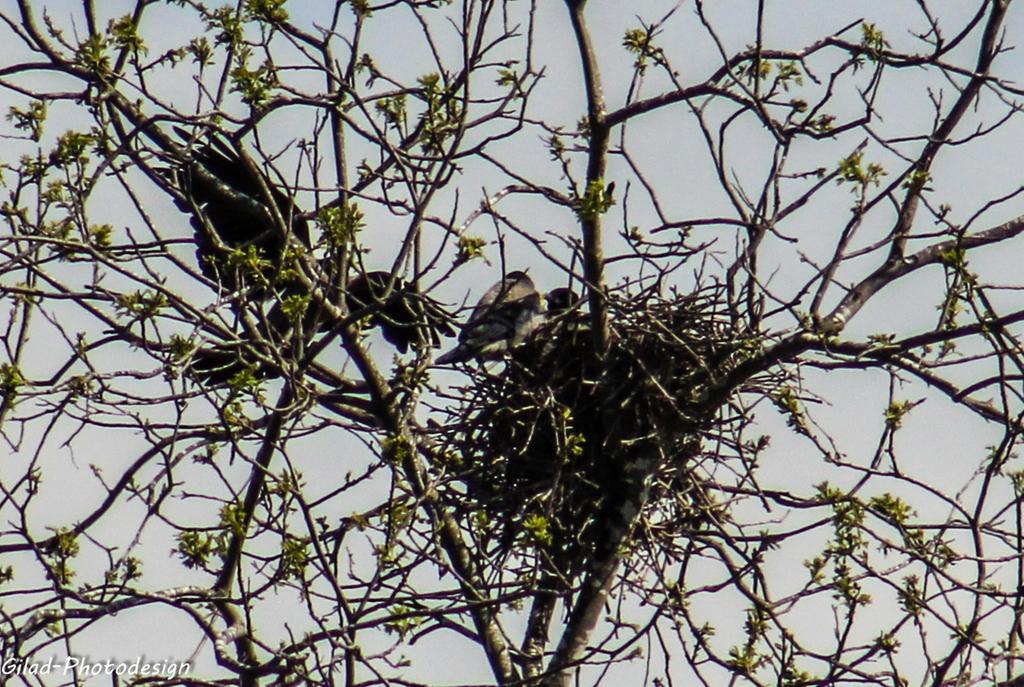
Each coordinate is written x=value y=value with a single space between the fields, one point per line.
x=940 y=444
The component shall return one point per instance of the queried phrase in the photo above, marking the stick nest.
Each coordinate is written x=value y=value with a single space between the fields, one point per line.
x=562 y=444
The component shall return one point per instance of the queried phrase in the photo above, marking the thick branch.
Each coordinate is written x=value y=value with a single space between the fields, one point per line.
x=892 y=270
x=597 y=161
x=986 y=53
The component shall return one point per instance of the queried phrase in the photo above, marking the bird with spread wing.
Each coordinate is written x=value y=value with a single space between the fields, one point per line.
x=246 y=227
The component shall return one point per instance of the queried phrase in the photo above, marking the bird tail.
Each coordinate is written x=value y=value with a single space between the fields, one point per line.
x=218 y=366
x=459 y=354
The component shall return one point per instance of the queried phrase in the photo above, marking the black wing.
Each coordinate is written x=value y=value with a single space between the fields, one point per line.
x=405 y=316
x=229 y=208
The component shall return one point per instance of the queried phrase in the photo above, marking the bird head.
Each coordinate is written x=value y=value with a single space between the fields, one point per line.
x=561 y=300
x=516 y=277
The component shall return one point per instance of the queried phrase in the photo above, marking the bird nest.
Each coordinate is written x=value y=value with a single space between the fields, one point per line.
x=555 y=444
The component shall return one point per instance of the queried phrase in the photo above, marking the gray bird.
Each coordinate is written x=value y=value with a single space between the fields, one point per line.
x=504 y=318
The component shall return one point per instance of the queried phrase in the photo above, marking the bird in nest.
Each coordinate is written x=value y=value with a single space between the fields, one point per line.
x=505 y=317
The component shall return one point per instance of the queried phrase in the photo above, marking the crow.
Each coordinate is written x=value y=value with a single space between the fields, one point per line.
x=241 y=246
x=232 y=208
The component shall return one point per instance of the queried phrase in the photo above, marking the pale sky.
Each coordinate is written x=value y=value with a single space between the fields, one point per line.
x=940 y=444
